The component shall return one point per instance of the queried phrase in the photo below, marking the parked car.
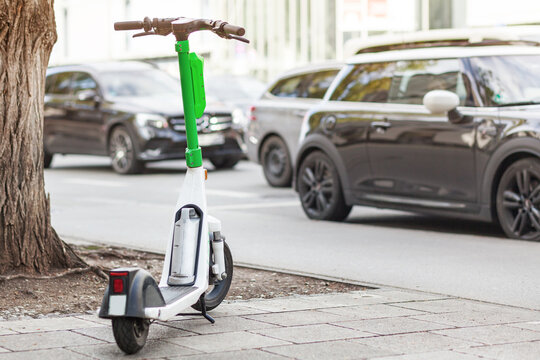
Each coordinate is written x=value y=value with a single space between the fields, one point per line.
x=131 y=112
x=275 y=119
x=449 y=131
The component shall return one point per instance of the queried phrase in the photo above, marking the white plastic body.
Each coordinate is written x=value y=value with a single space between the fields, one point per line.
x=184 y=254
x=219 y=258
x=192 y=193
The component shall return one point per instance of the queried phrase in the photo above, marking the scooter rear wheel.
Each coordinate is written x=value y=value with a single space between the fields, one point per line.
x=218 y=291
x=130 y=333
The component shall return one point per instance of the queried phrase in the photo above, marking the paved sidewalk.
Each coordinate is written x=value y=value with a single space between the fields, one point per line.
x=383 y=324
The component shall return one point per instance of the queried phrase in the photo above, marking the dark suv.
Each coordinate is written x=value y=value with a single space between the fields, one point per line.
x=132 y=112
x=449 y=130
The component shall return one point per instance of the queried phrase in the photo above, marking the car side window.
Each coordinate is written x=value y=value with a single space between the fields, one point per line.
x=82 y=81
x=366 y=82
x=415 y=78
x=61 y=82
x=318 y=83
x=289 y=87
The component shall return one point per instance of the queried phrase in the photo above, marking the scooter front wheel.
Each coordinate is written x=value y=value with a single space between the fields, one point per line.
x=130 y=333
x=219 y=289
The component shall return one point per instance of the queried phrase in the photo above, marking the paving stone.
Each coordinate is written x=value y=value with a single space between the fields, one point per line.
x=392 y=296
x=306 y=317
x=530 y=325
x=372 y=311
x=452 y=305
x=232 y=341
x=416 y=343
x=438 y=355
x=516 y=351
x=94 y=318
x=477 y=318
x=491 y=335
x=153 y=349
x=44 y=340
x=7 y=332
x=202 y=326
x=2 y=350
x=234 y=309
x=391 y=326
x=312 y=333
x=284 y=304
x=328 y=350
x=235 y=355
x=157 y=331
x=51 y=354
x=345 y=299
x=46 y=324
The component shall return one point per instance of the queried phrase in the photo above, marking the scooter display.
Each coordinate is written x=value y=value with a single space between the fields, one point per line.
x=198 y=266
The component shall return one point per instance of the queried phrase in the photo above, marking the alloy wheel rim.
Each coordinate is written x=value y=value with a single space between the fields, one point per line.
x=318 y=183
x=276 y=161
x=121 y=151
x=521 y=204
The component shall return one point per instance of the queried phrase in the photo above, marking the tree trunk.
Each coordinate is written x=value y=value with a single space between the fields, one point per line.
x=28 y=243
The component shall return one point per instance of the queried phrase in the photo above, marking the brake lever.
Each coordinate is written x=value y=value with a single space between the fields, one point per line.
x=239 y=38
x=145 y=33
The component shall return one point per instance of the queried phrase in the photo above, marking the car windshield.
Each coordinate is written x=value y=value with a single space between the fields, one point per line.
x=147 y=82
x=508 y=80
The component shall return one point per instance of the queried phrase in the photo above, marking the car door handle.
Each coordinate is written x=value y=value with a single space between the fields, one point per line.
x=381 y=124
x=299 y=113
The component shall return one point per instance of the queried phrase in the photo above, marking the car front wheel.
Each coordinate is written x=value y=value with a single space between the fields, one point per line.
x=320 y=190
x=518 y=200
x=123 y=153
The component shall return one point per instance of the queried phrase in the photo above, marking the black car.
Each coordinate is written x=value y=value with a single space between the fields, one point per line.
x=448 y=130
x=132 y=112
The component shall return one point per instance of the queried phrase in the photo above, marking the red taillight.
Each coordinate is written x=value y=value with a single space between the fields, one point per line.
x=118 y=286
x=118 y=273
x=250 y=114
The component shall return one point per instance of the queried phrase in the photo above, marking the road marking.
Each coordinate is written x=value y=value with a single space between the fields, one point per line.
x=230 y=193
x=255 y=205
x=79 y=181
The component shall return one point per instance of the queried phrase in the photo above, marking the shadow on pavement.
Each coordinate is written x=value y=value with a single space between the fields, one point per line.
x=430 y=223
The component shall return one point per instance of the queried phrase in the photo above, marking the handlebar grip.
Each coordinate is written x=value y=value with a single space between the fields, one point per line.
x=234 y=30
x=128 y=25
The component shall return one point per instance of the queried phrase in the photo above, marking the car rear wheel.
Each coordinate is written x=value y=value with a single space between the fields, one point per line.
x=518 y=200
x=276 y=162
x=47 y=159
x=320 y=189
x=224 y=162
x=122 y=152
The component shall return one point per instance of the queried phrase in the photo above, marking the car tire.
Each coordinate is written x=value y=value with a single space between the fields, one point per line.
x=518 y=200
x=47 y=159
x=123 y=152
x=320 y=190
x=276 y=162
x=224 y=162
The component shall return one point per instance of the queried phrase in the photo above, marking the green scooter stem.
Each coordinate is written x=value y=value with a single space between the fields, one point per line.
x=193 y=151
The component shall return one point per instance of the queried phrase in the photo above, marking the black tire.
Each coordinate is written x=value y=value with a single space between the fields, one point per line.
x=130 y=333
x=47 y=159
x=224 y=162
x=518 y=200
x=320 y=190
x=123 y=152
x=218 y=291
x=276 y=162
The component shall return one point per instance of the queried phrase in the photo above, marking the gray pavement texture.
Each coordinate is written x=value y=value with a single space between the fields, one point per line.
x=383 y=323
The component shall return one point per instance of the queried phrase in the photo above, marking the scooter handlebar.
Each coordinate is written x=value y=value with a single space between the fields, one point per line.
x=128 y=25
x=234 y=30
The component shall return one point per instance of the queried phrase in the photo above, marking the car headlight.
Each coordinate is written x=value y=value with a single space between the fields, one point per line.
x=151 y=120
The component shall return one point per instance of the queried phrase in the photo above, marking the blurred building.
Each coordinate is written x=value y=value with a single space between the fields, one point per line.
x=283 y=33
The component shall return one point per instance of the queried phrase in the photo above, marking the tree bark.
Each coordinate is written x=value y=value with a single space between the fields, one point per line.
x=28 y=243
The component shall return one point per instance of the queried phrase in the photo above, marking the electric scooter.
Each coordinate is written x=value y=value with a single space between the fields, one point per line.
x=198 y=265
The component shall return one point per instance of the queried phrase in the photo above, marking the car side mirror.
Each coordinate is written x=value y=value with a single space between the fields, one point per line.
x=444 y=102
x=89 y=95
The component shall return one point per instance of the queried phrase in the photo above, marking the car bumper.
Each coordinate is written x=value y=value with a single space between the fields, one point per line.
x=167 y=144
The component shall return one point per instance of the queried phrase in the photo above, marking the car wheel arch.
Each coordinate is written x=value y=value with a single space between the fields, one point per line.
x=507 y=154
x=318 y=142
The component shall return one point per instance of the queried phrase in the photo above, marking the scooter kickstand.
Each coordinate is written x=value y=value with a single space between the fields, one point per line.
x=202 y=301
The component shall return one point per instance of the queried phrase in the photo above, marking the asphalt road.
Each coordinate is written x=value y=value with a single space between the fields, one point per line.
x=266 y=227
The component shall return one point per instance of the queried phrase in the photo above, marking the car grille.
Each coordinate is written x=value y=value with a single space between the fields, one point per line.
x=205 y=124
